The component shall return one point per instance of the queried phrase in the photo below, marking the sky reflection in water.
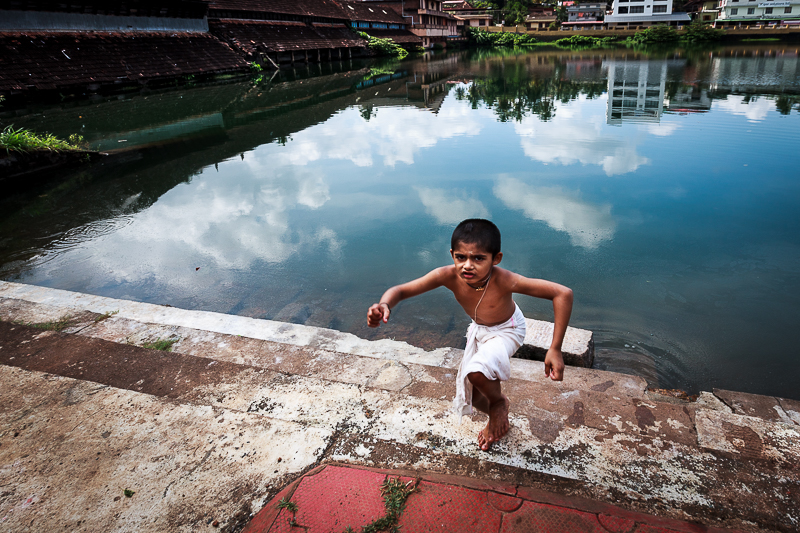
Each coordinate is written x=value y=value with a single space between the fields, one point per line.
x=676 y=224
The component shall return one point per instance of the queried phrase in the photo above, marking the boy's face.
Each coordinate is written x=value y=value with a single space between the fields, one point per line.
x=473 y=263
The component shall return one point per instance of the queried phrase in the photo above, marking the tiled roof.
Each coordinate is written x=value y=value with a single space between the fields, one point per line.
x=308 y=8
x=59 y=60
x=367 y=13
x=266 y=36
x=141 y=8
x=398 y=36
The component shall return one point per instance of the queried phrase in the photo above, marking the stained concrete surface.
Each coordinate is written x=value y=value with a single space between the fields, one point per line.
x=595 y=435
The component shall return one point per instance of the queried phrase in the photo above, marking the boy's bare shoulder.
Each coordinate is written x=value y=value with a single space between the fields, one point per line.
x=504 y=277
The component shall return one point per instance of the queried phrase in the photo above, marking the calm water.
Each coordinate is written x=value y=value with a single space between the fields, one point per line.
x=663 y=189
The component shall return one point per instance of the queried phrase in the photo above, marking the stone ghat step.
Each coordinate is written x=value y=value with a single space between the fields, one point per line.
x=680 y=460
x=578 y=345
x=310 y=351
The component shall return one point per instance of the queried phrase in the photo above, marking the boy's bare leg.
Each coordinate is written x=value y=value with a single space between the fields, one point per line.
x=490 y=393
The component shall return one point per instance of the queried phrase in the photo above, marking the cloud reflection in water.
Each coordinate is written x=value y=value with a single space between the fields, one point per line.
x=587 y=225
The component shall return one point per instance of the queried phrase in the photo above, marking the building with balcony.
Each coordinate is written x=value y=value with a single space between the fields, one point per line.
x=703 y=10
x=755 y=12
x=427 y=19
x=380 y=22
x=471 y=16
x=589 y=15
x=540 y=17
x=644 y=13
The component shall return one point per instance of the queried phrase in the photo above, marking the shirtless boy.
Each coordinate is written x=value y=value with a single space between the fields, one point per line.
x=498 y=328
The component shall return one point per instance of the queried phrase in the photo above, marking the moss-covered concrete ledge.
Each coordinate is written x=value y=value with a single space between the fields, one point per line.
x=209 y=431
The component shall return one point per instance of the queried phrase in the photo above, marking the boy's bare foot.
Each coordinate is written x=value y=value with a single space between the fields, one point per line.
x=498 y=425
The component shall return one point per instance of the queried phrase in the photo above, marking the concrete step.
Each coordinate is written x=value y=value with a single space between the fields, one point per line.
x=69 y=449
x=596 y=434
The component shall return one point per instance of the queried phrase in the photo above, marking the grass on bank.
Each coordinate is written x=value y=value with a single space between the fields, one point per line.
x=22 y=140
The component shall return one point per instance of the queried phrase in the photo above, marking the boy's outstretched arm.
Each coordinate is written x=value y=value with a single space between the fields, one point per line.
x=380 y=311
x=562 y=309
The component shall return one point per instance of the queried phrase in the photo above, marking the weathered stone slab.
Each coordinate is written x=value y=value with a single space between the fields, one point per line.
x=792 y=408
x=706 y=400
x=747 y=437
x=69 y=449
x=578 y=346
x=765 y=407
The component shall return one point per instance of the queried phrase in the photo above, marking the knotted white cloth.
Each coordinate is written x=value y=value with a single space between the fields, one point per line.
x=489 y=350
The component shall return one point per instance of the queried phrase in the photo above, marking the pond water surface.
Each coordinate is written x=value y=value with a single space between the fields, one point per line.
x=664 y=189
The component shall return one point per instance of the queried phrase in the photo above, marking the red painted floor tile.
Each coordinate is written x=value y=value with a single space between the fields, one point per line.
x=616 y=524
x=549 y=519
x=644 y=528
x=332 y=500
x=504 y=503
x=446 y=508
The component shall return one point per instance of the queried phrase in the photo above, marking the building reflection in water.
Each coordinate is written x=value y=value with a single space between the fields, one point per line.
x=635 y=91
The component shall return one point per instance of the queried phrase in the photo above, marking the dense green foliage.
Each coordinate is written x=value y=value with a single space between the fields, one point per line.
x=22 y=140
x=481 y=37
x=584 y=41
x=384 y=47
x=697 y=32
x=655 y=35
x=661 y=34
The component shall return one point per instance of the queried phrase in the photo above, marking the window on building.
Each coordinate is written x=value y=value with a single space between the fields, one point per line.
x=735 y=11
x=481 y=22
x=787 y=9
x=659 y=9
x=751 y=10
x=623 y=10
x=768 y=11
x=637 y=9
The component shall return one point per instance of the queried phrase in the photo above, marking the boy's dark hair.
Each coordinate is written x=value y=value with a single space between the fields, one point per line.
x=477 y=231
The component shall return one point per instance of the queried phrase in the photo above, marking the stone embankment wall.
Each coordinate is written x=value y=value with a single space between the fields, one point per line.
x=731 y=34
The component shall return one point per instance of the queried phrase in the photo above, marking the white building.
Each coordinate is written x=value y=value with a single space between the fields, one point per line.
x=744 y=12
x=635 y=13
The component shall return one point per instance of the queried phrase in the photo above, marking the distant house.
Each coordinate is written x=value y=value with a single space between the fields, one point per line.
x=753 y=12
x=381 y=22
x=540 y=17
x=474 y=17
x=641 y=13
x=427 y=19
x=582 y=16
x=703 y=10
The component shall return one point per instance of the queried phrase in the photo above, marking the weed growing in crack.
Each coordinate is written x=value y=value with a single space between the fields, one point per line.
x=292 y=508
x=55 y=325
x=395 y=493
x=164 y=345
x=105 y=316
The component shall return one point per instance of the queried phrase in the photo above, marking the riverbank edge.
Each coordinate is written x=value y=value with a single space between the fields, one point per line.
x=23 y=169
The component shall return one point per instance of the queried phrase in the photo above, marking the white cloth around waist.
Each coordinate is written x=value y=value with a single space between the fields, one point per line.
x=488 y=351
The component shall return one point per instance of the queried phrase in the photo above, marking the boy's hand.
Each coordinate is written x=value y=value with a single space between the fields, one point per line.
x=376 y=313
x=554 y=365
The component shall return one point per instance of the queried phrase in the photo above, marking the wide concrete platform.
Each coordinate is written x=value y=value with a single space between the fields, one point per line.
x=209 y=432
